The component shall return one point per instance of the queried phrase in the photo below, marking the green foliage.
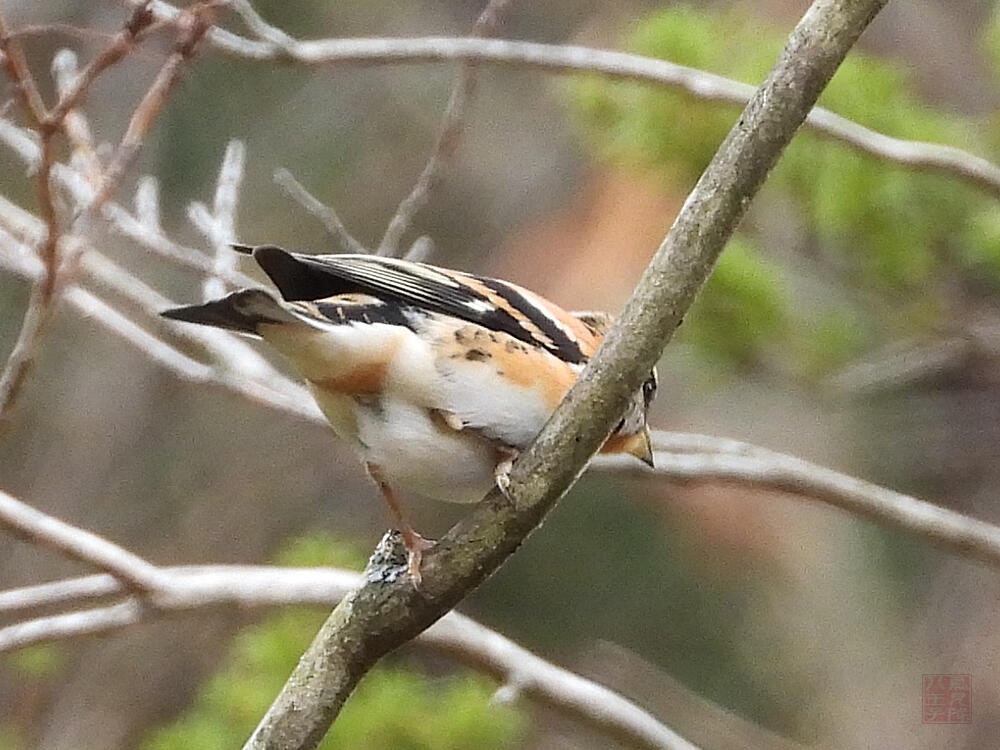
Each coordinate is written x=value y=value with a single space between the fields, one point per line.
x=742 y=311
x=11 y=739
x=37 y=662
x=888 y=230
x=991 y=39
x=397 y=707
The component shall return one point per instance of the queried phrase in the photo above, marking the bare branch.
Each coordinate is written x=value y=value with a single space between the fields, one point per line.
x=197 y=587
x=224 y=217
x=142 y=228
x=242 y=364
x=388 y=610
x=20 y=74
x=929 y=157
x=32 y=525
x=121 y=45
x=260 y=27
x=194 y=22
x=43 y=295
x=94 y=308
x=147 y=204
x=75 y=125
x=752 y=466
x=576 y=696
x=327 y=216
x=449 y=135
x=70 y=592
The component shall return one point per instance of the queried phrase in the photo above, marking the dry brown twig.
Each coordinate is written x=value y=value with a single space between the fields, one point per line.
x=43 y=295
x=192 y=24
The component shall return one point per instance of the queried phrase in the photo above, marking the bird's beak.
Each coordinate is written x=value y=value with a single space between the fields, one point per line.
x=640 y=446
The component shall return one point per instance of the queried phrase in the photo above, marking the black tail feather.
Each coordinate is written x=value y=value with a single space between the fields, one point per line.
x=296 y=277
x=241 y=311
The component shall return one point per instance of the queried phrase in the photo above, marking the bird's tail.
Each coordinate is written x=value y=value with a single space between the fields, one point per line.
x=240 y=311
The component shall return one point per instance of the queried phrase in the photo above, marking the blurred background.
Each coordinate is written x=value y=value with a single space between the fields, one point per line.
x=735 y=616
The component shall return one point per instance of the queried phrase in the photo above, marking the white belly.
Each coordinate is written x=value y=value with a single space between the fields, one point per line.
x=412 y=451
x=418 y=455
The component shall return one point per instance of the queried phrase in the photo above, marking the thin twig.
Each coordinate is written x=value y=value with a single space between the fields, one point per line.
x=137 y=227
x=20 y=74
x=224 y=210
x=75 y=125
x=219 y=224
x=256 y=23
x=121 y=45
x=449 y=135
x=45 y=294
x=326 y=215
x=41 y=305
x=193 y=23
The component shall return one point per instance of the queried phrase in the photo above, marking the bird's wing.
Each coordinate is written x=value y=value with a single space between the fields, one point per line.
x=492 y=303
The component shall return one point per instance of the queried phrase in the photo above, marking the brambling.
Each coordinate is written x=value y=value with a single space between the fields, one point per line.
x=437 y=378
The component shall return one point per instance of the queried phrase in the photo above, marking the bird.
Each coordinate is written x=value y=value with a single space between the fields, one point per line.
x=437 y=378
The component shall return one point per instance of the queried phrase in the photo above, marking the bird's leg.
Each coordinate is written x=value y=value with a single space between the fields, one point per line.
x=415 y=544
x=501 y=472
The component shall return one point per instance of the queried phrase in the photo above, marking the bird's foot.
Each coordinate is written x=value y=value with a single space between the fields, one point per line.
x=501 y=473
x=415 y=545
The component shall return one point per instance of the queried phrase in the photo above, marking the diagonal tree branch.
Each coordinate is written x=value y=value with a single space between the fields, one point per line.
x=680 y=456
x=387 y=610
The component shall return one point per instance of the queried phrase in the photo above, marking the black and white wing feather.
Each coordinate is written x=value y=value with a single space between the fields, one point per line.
x=492 y=303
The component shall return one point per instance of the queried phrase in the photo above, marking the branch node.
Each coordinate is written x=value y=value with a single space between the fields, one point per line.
x=388 y=562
